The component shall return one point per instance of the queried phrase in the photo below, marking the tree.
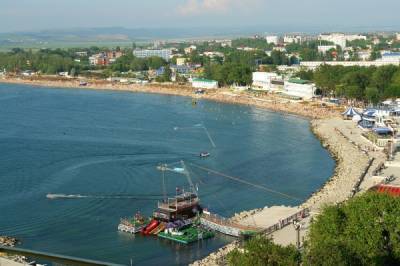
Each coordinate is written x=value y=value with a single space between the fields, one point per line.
x=262 y=251
x=372 y=95
x=363 y=231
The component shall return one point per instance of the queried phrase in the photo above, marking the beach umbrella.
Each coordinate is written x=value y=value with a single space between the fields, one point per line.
x=350 y=112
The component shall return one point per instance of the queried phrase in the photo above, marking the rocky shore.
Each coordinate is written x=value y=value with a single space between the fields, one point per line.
x=8 y=241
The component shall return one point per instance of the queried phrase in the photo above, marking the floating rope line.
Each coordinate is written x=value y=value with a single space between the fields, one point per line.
x=246 y=182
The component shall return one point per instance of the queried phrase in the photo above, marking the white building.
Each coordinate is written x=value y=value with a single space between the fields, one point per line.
x=390 y=56
x=214 y=54
x=180 y=61
x=312 y=65
x=398 y=36
x=340 y=38
x=300 y=88
x=272 y=39
x=204 y=83
x=263 y=80
x=292 y=39
x=144 y=53
x=190 y=49
x=325 y=48
x=364 y=55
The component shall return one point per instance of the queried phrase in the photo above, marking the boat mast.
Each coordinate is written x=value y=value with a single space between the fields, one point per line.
x=188 y=177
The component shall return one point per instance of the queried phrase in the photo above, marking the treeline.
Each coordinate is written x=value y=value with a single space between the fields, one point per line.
x=363 y=231
x=129 y=62
x=368 y=84
x=45 y=61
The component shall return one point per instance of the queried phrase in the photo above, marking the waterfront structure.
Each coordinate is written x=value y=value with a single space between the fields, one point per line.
x=204 y=83
x=145 y=53
x=303 y=89
x=263 y=80
x=272 y=39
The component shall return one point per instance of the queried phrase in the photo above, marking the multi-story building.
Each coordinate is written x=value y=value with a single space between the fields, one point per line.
x=145 y=53
x=98 y=60
x=180 y=61
x=292 y=39
x=264 y=80
x=340 y=38
x=272 y=39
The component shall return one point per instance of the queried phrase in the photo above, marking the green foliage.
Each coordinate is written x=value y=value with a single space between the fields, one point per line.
x=363 y=231
x=352 y=82
x=262 y=251
x=229 y=73
x=372 y=95
x=253 y=43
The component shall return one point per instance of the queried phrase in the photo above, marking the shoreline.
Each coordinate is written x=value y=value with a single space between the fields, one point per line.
x=258 y=99
x=350 y=162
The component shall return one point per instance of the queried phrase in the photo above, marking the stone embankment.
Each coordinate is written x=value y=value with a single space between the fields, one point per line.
x=8 y=241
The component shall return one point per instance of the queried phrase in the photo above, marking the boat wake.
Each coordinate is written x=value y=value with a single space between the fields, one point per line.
x=79 y=196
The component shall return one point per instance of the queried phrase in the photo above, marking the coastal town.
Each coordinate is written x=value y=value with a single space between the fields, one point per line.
x=346 y=85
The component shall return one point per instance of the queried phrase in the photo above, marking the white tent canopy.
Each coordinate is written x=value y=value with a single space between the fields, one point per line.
x=350 y=112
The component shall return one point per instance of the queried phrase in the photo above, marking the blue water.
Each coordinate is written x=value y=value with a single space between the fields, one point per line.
x=109 y=143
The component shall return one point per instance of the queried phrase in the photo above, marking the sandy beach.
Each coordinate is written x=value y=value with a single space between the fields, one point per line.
x=261 y=100
x=356 y=158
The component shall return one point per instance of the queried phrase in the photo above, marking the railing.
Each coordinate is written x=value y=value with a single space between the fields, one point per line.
x=284 y=222
x=215 y=218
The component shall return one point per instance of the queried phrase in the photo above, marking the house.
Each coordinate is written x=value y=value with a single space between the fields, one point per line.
x=202 y=83
x=300 y=88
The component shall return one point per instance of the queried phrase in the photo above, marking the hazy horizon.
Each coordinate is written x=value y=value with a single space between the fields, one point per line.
x=302 y=16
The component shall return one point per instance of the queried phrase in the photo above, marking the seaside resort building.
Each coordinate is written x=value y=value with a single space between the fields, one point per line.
x=201 y=83
x=300 y=88
x=267 y=81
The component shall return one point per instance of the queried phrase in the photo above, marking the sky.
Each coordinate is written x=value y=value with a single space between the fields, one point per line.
x=33 y=15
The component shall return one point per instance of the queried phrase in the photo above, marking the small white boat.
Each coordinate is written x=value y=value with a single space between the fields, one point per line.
x=204 y=154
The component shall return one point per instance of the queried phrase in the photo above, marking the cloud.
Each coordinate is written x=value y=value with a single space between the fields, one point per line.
x=197 y=7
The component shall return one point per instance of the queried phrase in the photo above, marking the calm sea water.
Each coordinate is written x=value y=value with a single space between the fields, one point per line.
x=102 y=143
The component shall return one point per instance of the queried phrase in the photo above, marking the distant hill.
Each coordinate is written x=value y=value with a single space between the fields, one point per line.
x=112 y=36
x=83 y=36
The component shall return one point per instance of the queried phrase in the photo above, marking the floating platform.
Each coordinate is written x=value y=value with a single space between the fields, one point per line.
x=188 y=235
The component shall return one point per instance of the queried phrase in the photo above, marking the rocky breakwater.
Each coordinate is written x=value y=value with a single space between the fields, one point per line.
x=343 y=140
x=8 y=241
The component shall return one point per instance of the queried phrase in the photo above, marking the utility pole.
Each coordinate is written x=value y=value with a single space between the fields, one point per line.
x=297 y=227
